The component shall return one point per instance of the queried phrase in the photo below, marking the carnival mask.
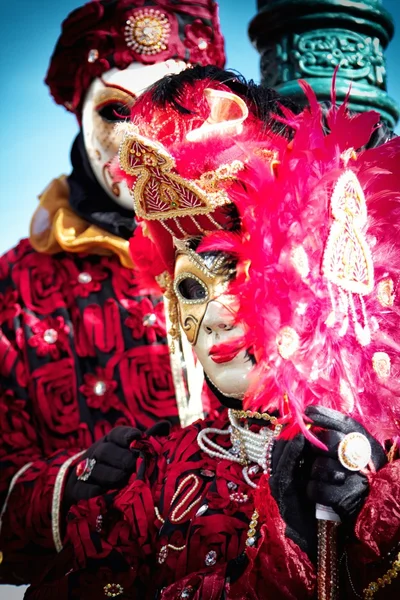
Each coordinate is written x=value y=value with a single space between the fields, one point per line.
x=108 y=101
x=207 y=316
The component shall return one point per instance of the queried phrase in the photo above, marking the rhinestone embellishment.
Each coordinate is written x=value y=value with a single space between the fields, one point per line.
x=50 y=336
x=202 y=510
x=250 y=541
x=231 y=485
x=99 y=523
x=112 y=590
x=239 y=497
x=207 y=473
x=211 y=558
x=254 y=470
x=186 y=593
x=93 y=55
x=147 y=31
x=149 y=320
x=99 y=388
x=162 y=555
x=202 y=45
x=84 y=277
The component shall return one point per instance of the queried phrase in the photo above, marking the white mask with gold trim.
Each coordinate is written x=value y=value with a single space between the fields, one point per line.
x=108 y=101
x=207 y=316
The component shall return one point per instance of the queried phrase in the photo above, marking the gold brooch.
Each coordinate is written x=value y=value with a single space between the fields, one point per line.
x=147 y=31
x=113 y=590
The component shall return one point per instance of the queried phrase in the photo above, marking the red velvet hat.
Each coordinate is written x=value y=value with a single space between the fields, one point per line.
x=115 y=33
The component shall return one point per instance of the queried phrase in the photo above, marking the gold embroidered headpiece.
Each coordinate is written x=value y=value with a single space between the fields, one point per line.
x=188 y=200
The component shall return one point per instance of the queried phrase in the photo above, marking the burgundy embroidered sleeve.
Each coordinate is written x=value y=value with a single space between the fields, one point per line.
x=377 y=531
x=29 y=496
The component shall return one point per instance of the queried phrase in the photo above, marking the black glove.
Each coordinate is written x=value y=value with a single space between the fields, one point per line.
x=115 y=462
x=288 y=482
x=330 y=483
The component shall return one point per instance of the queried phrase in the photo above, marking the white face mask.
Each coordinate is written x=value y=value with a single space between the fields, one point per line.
x=108 y=101
x=207 y=315
x=231 y=376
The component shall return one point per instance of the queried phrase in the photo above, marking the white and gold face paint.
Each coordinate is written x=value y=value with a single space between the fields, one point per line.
x=208 y=317
x=109 y=101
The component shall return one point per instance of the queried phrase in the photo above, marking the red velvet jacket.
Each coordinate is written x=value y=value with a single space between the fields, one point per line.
x=77 y=357
x=179 y=530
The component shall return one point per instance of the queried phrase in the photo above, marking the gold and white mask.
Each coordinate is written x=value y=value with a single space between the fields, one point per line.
x=109 y=101
x=207 y=315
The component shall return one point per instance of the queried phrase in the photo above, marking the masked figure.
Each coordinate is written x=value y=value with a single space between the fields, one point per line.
x=230 y=186
x=83 y=348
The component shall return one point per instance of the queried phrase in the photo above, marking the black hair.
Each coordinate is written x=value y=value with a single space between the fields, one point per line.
x=263 y=102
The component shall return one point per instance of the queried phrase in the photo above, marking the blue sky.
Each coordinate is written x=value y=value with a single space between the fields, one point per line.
x=37 y=134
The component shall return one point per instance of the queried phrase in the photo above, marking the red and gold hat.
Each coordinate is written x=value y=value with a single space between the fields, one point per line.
x=181 y=158
x=115 y=33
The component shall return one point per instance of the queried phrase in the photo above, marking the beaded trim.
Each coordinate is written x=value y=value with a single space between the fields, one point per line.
x=248 y=414
x=386 y=579
x=247 y=446
x=196 y=484
x=56 y=501
x=327 y=560
x=251 y=534
x=184 y=300
x=163 y=554
x=10 y=489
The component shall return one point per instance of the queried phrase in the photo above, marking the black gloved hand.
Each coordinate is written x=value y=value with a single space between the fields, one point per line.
x=115 y=462
x=330 y=483
x=288 y=482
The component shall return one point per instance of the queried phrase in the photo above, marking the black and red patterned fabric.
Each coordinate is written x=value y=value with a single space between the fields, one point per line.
x=77 y=357
x=179 y=530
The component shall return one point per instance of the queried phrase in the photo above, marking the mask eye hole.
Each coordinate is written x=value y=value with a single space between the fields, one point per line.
x=114 y=112
x=190 y=289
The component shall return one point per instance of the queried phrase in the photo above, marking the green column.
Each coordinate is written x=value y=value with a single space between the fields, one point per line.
x=308 y=39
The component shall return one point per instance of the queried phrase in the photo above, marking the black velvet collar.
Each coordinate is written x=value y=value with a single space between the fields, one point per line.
x=90 y=201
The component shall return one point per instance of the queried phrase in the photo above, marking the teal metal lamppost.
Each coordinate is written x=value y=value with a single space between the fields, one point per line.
x=308 y=39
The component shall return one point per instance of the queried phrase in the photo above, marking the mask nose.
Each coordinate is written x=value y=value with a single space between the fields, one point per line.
x=217 y=320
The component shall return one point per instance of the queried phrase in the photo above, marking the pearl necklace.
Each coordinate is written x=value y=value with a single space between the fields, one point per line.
x=247 y=446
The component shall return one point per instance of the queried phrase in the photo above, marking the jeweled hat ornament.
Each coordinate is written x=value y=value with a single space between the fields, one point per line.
x=318 y=262
x=104 y=34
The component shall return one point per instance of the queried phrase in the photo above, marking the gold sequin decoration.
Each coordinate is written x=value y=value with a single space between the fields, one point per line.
x=299 y=260
x=287 y=342
x=385 y=292
x=147 y=31
x=386 y=579
x=113 y=590
x=381 y=364
x=347 y=258
x=249 y=414
x=211 y=180
x=159 y=193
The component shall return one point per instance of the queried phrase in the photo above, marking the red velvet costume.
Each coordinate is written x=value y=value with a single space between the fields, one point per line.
x=82 y=345
x=60 y=339
x=206 y=526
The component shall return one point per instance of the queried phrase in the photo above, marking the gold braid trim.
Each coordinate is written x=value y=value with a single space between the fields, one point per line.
x=172 y=303
x=386 y=579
